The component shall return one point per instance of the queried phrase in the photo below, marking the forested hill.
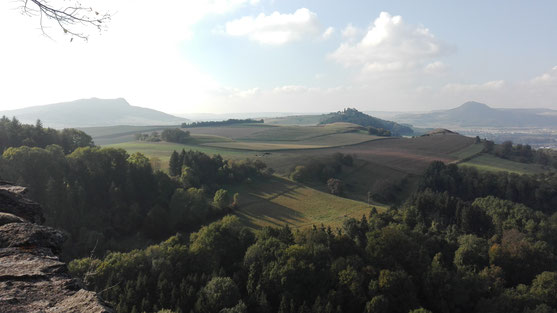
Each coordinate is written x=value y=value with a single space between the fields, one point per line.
x=93 y=112
x=356 y=117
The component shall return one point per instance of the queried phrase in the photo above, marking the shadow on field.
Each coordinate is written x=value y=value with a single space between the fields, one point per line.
x=257 y=204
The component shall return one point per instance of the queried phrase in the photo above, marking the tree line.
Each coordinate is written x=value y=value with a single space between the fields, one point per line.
x=15 y=134
x=378 y=131
x=536 y=191
x=228 y=122
x=170 y=135
x=520 y=153
x=107 y=199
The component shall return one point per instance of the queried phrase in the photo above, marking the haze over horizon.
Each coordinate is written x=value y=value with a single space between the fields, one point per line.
x=270 y=56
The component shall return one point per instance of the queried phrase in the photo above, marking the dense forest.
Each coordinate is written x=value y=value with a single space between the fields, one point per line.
x=444 y=250
x=107 y=199
x=378 y=126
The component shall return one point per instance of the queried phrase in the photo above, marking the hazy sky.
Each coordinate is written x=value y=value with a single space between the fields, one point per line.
x=285 y=55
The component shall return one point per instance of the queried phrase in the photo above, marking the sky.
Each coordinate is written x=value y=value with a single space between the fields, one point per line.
x=233 y=56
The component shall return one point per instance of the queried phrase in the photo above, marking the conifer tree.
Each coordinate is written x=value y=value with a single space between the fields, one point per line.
x=174 y=166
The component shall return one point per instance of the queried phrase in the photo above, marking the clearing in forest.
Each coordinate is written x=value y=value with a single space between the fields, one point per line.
x=276 y=201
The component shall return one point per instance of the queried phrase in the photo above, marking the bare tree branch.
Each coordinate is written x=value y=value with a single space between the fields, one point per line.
x=70 y=18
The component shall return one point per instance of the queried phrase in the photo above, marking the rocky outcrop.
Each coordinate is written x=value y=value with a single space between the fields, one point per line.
x=32 y=277
x=13 y=201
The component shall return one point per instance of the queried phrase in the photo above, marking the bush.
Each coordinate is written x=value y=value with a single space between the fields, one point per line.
x=221 y=199
x=335 y=186
x=175 y=135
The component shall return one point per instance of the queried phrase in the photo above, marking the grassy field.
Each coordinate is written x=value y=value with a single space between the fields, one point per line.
x=408 y=155
x=277 y=201
x=296 y=133
x=117 y=134
x=263 y=146
x=295 y=120
x=468 y=152
x=163 y=150
x=244 y=132
x=200 y=139
x=238 y=131
x=323 y=141
x=405 y=155
x=488 y=162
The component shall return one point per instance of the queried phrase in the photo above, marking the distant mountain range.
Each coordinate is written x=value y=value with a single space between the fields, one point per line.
x=475 y=114
x=92 y=112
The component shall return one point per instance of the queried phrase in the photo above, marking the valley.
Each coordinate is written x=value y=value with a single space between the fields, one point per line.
x=158 y=205
x=382 y=165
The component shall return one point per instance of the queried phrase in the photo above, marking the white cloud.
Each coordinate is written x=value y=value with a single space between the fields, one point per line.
x=549 y=78
x=488 y=86
x=277 y=28
x=289 y=89
x=350 y=32
x=436 y=67
x=328 y=32
x=389 y=45
x=384 y=95
x=246 y=93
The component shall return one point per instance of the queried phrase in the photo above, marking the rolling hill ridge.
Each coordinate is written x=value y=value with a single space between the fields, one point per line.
x=92 y=112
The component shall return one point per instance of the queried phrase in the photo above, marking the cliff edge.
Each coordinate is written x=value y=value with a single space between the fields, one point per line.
x=32 y=277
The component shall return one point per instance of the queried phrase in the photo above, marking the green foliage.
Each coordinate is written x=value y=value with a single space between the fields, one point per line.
x=420 y=310
x=175 y=135
x=221 y=199
x=379 y=132
x=107 y=199
x=535 y=191
x=150 y=137
x=376 y=264
x=219 y=293
x=323 y=171
x=15 y=134
x=471 y=254
x=544 y=288
x=508 y=215
x=521 y=153
x=174 y=165
x=465 y=242
x=211 y=172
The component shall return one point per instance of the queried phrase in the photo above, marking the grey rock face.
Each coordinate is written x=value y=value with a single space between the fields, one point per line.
x=31 y=235
x=32 y=277
x=13 y=200
x=7 y=218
